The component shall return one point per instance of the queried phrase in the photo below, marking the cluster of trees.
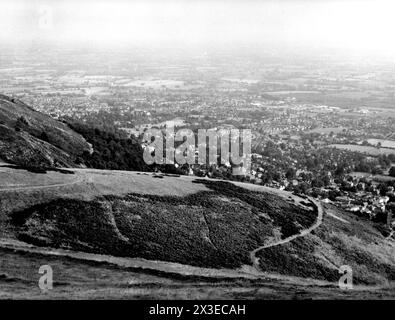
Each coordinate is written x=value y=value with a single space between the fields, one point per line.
x=112 y=150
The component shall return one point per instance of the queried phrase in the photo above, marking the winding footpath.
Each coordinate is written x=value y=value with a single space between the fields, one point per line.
x=318 y=222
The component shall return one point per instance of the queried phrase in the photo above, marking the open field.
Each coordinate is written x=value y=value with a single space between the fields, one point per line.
x=372 y=151
x=335 y=130
x=384 y=143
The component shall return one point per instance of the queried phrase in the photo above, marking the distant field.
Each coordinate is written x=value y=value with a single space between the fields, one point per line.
x=353 y=95
x=291 y=93
x=384 y=143
x=372 y=151
x=378 y=177
x=347 y=99
x=327 y=130
x=245 y=81
x=154 y=84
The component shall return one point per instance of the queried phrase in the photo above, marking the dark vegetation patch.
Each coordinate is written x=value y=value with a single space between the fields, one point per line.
x=67 y=223
x=216 y=228
x=290 y=217
x=7 y=278
x=112 y=150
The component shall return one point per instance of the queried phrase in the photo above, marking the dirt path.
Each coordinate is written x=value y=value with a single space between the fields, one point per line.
x=79 y=179
x=320 y=215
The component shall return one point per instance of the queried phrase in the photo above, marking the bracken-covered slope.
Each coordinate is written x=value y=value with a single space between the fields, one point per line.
x=28 y=137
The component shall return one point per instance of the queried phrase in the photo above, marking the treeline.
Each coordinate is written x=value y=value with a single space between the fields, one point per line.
x=112 y=150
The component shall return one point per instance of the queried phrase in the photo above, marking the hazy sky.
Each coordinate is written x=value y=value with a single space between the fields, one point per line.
x=363 y=26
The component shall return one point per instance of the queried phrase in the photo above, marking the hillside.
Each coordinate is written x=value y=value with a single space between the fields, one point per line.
x=179 y=226
x=214 y=224
x=30 y=138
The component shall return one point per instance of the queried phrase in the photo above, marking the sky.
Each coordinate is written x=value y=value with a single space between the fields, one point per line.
x=364 y=26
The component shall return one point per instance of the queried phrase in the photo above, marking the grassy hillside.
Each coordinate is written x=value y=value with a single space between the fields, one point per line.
x=24 y=149
x=28 y=137
x=215 y=228
x=342 y=239
x=34 y=140
x=199 y=222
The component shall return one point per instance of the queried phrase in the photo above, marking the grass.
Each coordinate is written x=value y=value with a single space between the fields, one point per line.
x=12 y=176
x=202 y=223
x=74 y=279
x=215 y=228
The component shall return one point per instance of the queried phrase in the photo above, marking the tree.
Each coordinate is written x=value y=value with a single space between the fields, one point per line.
x=290 y=174
x=339 y=171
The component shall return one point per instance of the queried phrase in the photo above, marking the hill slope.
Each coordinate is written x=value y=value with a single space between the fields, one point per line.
x=187 y=227
x=196 y=222
x=199 y=222
x=28 y=137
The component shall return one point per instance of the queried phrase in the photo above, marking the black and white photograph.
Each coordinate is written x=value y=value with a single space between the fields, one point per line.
x=196 y=150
